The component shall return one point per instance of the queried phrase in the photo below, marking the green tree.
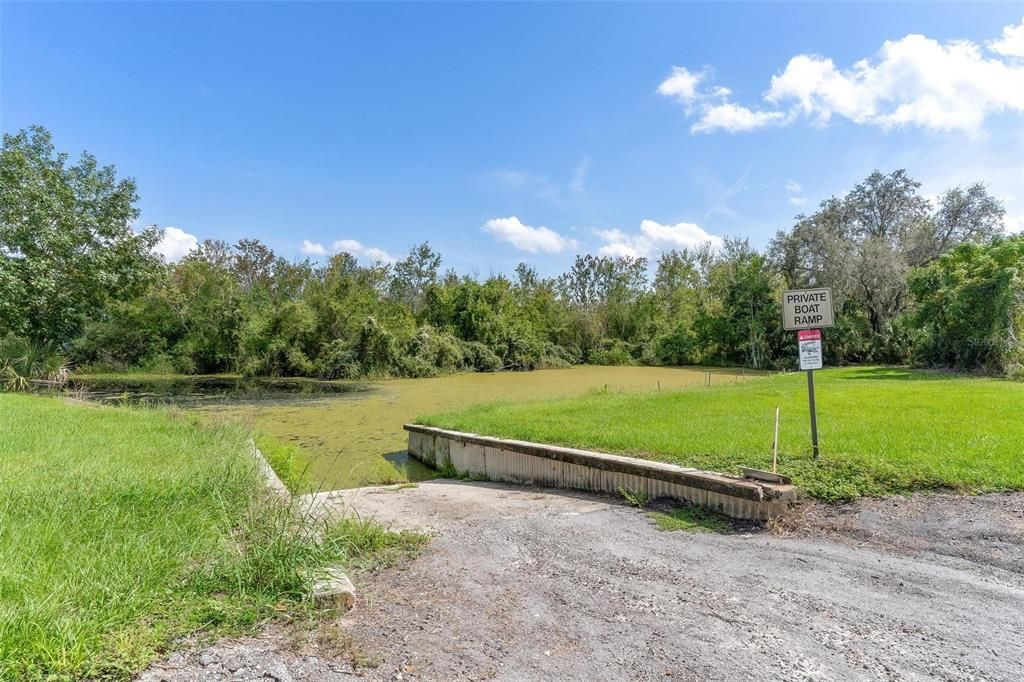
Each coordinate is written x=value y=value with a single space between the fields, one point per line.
x=414 y=274
x=743 y=324
x=67 y=247
x=970 y=307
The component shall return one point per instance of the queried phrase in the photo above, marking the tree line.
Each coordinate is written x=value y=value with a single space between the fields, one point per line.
x=937 y=284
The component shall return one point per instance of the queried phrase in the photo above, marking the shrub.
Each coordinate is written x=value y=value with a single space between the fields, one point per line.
x=521 y=350
x=435 y=348
x=678 y=347
x=613 y=352
x=971 y=307
x=25 y=364
x=376 y=349
x=478 y=356
x=338 y=361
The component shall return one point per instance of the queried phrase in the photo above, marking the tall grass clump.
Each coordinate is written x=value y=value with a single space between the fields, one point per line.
x=122 y=530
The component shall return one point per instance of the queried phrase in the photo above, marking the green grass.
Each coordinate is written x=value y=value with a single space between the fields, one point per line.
x=691 y=519
x=124 y=529
x=882 y=430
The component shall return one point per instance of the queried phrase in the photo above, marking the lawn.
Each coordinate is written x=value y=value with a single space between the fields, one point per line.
x=122 y=529
x=882 y=430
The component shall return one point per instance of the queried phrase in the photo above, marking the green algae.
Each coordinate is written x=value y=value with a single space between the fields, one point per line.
x=357 y=439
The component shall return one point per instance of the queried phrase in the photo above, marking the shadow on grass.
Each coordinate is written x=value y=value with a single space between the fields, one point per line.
x=902 y=373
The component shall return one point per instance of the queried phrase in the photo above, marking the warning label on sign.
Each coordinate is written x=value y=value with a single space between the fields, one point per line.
x=809 y=341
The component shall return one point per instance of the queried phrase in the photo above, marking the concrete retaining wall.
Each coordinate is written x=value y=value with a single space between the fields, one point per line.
x=534 y=463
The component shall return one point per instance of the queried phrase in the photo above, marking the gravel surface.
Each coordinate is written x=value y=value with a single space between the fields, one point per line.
x=528 y=584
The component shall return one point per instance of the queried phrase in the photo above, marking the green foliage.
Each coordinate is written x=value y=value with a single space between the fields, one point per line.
x=744 y=326
x=479 y=356
x=26 y=364
x=971 y=307
x=614 y=352
x=678 y=347
x=376 y=348
x=634 y=497
x=67 y=248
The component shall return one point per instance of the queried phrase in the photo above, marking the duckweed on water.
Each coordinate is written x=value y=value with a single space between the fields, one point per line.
x=358 y=439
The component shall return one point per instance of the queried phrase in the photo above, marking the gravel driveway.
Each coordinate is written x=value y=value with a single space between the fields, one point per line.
x=530 y=584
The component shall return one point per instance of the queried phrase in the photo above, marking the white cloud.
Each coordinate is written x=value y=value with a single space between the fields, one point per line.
x=526 y=237
x=175 y=244
x=618 y=244
x=655 y=238
x=313 y=248
x=734 y=118
x=1011 y=43
x=370 y=253
x=914 y=81
x=681 y=84
x=367 y=253
x=795 y=192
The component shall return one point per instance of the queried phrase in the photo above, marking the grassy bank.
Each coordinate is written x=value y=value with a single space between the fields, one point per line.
x=881 y=430
x=122 y=529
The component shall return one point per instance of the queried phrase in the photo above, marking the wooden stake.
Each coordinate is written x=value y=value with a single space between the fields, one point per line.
x=775 y=445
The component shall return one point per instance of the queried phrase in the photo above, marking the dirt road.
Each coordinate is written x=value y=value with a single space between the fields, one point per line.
x=525 y=584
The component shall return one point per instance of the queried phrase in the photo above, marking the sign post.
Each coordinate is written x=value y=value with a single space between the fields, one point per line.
x=809 y=341
x=807 y=311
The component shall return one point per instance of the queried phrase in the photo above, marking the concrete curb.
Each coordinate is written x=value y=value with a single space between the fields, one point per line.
x=523 y=462
x=274 y=481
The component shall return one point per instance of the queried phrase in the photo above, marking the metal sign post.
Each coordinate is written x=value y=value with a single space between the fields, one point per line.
x=808 y=310
x=809 y=341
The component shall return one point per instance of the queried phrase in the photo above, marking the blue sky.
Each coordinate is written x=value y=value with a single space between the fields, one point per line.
x=617 y=128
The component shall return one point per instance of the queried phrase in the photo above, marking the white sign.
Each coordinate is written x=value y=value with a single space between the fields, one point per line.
x=810 y=349
x=807 y=308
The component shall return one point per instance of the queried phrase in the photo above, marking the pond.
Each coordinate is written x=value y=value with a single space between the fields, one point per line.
x=357 y=439
x=350 y=433
x=199 y=391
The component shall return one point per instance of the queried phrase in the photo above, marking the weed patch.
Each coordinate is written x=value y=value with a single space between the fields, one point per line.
x=692 y=519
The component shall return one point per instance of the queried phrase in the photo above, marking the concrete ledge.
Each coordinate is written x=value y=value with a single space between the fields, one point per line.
x=274 y=481
x=522 y=462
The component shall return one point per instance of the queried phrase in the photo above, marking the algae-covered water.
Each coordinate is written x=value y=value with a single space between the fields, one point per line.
x=357 y=439
x=199 y=391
